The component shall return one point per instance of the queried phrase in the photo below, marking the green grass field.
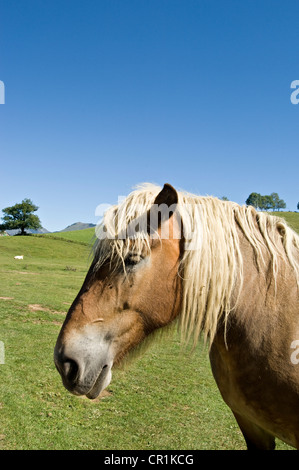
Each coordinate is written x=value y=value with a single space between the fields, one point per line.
x=84 y=236
x=165 y=400
x=292 y=219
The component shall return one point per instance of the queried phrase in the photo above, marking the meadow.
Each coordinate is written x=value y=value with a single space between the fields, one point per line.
x=292 y=219
x=164 y=400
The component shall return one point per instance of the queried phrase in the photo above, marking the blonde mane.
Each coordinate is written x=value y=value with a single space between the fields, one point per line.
x=212 y=263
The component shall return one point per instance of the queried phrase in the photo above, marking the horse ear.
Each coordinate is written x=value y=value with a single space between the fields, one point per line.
x=163 y=208
x=167 y=195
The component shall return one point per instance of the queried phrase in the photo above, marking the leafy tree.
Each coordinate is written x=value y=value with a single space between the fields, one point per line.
x=254 y=199
x=298 y=206
x=20 y=216
x=277 y=202
x=267 y=203
x=280 y=205
x=275 y=199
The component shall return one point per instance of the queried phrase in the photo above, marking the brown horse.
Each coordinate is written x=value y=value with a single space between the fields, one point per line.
x=212 y=267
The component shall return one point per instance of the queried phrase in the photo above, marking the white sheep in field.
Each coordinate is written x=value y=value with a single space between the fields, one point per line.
x=19 y=257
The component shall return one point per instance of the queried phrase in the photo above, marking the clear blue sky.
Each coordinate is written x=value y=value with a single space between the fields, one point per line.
x=103 y=94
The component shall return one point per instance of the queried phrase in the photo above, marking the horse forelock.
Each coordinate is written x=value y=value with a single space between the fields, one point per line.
x=124 y=227
x=211 y=265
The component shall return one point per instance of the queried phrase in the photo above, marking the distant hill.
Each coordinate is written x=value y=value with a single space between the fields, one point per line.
x=77 y=226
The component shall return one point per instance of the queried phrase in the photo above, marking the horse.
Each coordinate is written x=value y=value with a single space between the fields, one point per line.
x=217 y=270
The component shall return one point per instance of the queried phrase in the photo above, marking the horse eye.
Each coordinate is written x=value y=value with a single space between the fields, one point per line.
x=132 y=260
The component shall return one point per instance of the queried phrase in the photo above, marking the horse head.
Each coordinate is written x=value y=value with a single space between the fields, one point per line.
x=127 y=295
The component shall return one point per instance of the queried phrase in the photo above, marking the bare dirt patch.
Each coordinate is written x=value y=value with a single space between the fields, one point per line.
x=6 y=298
x=19 y=272
x=40 y=308
x=26 y=272
x=37 y=307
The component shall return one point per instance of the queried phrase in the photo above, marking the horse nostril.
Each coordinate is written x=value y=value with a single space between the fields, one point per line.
x=70 y=370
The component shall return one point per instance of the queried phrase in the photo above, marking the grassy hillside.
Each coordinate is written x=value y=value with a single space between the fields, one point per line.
x=155 y=408
x=49 y=273
x=84 y=236
x=165 y=400
x=292 y=219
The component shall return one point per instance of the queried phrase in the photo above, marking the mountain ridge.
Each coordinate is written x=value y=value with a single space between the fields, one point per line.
x=76 y=226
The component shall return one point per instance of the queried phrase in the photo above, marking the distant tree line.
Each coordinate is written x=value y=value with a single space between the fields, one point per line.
x=265 y=203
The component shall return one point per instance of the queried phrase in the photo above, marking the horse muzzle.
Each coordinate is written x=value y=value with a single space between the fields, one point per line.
x=84 y=365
